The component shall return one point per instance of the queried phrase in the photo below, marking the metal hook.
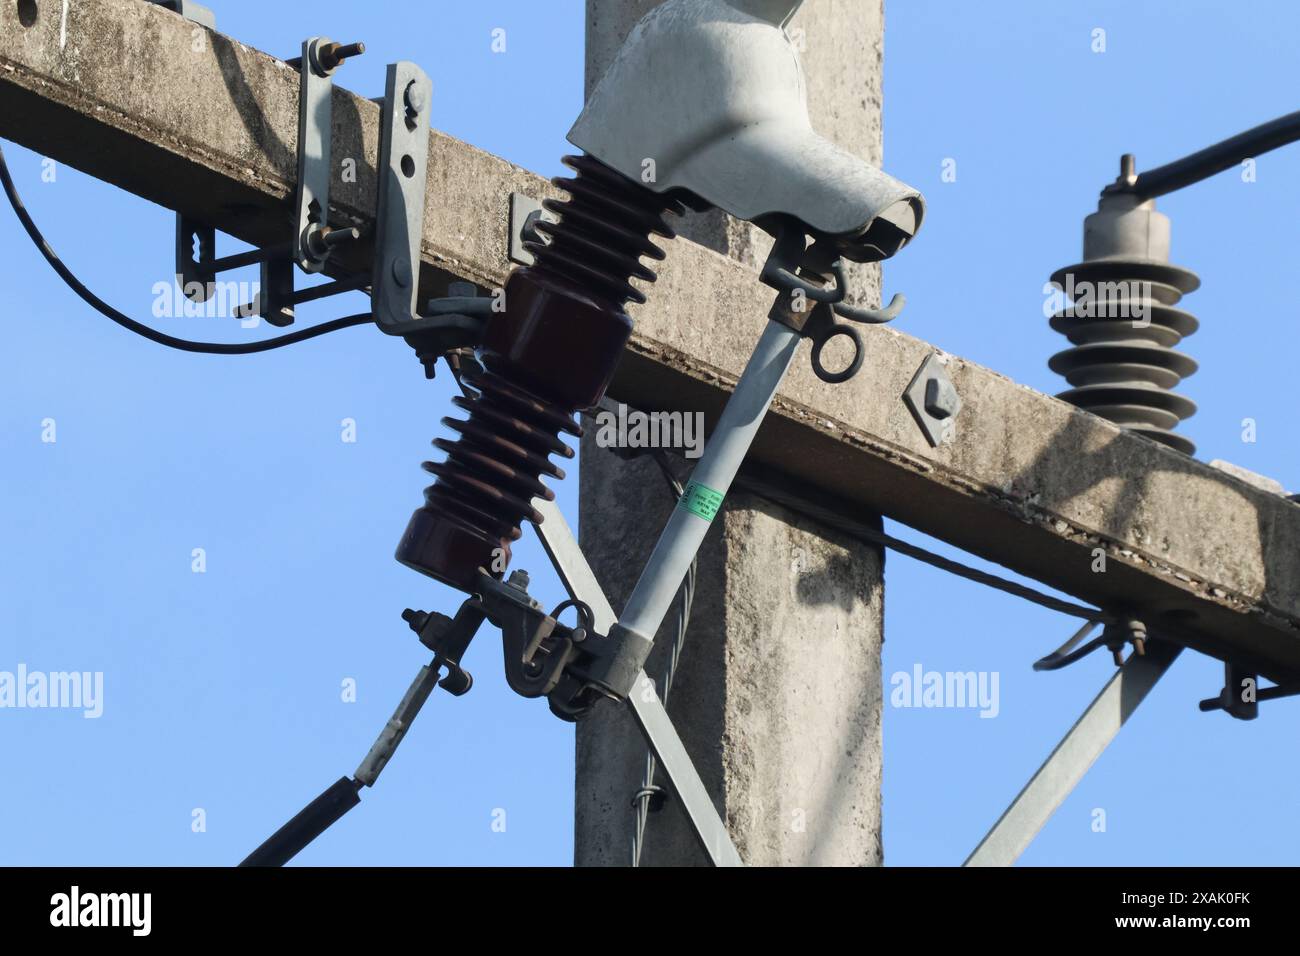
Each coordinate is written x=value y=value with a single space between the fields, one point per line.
x=873 y=316
x=1116 y=633
x=789 y=252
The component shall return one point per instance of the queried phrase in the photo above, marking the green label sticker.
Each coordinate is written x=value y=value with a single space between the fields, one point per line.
x=701 y=501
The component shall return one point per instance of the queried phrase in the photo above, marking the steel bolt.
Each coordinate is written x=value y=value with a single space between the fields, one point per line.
x=321 y=240
x=1128 y=169
x=941 y=399
x=331 y=55
x=415 y=98
x=518 y=579
x=337 y=237
x=528 y=231
x=402 y=271
x=1137 y=633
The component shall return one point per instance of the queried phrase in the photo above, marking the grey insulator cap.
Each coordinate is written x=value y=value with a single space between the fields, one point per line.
x=708 y=96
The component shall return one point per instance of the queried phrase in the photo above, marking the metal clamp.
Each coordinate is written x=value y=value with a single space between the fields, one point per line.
x=313 y=239
x=1115 y=635
x=451 y=327
x=543 y=657
x=1242 y=695
x=814 y=273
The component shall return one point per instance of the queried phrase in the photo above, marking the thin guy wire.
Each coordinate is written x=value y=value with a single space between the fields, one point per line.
x=686 y=597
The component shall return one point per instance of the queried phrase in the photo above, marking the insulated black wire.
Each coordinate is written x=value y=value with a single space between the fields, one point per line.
x=755 y=480
x=1215 y=159
x=139 y=328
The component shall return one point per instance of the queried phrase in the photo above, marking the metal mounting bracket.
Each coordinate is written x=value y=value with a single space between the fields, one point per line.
x=313 y=240
x=274 y=300
x=933 y=401
x=525 y=212
x=443 y=324
x=194 y=12
x=399 y=211
x=1242 y=695
x=315 y=120
x=196 y=246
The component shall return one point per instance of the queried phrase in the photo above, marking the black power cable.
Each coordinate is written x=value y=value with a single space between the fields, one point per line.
x=139 y=328
x=313 y=820
x=1214 y=159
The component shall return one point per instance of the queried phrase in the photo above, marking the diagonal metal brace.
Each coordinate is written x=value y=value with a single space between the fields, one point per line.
x=1073 y=756
x=647 y=709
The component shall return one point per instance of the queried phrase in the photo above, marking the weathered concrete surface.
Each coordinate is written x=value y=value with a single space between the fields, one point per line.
x=1030 y=482
x=778 y=694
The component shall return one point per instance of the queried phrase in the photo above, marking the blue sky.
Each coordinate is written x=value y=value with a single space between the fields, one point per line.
x=222 y=690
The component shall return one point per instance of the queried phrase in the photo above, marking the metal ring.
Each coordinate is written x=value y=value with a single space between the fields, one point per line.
x=834 y=378
x=586 y=618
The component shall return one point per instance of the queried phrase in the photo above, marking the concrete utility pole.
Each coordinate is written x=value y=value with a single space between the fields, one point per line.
x=778 y=695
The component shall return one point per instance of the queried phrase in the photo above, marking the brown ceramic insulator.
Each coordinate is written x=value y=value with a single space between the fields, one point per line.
x=550 y=353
